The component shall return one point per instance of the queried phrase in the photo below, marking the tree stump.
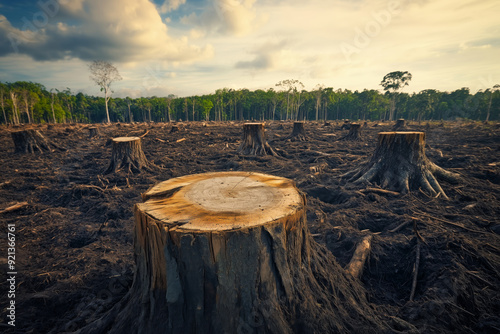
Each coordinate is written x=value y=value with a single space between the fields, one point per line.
x=127 y=154
x=231 y=252
x=174 y=128
x=93 y=132
x=399 y=163
x=298 y=133
x=346 y=125
x=400 y=124
x=30 y=141
x=354 y=133
x=254 y=140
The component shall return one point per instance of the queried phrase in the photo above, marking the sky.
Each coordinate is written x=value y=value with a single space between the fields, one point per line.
x=193 y=47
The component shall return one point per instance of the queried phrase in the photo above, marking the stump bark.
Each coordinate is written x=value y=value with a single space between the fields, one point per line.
x=254 y=141
x=231 y=253
x=127 y=155
x=298 y=133
x=400 y=124
x=93 y=132
x=354 y=133
x=346 y=125
x=30 y=141
x=399 y=163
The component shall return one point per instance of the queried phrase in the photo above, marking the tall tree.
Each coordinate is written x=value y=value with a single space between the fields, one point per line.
x=3 y=89
x=104 y=74
x=15 y=105
x=395 y=81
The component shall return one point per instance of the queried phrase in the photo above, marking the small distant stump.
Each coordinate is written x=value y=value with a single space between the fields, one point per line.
x=399 y=163
x=174 y=128
x=254 y=141
x=400 y=124
x=30 y=141
x=346 y=125
x=298 y=133
x=231 y=252
x=354 y=133
x=127 y=155
x=93 y=132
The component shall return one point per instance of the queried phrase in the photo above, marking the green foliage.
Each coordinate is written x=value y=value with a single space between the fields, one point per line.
x=323 y=103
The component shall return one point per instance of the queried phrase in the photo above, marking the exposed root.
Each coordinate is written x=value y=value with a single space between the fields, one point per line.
x=254 y=141
x=400 y=164
x=353 y=134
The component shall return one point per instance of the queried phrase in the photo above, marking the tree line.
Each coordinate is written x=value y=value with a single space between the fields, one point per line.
x=28 y=102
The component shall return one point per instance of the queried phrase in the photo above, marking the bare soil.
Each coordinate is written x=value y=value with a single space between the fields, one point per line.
x=74 y=255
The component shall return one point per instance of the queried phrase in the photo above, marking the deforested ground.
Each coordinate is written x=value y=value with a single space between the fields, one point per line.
x=74 y=255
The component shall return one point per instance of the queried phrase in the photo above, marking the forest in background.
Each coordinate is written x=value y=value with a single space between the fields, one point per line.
x=28 y=102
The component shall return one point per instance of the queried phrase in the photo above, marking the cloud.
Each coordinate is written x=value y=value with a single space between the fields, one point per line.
x=170 y=5
x=114 y=30
x=267 y=57
x=229 y=17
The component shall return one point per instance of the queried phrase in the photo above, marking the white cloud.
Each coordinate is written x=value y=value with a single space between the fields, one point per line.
x=115 y=30
x=230 y=17
x=170 y=5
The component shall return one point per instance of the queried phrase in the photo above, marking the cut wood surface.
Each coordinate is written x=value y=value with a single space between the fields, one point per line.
x=221 y=201
x=355 y=266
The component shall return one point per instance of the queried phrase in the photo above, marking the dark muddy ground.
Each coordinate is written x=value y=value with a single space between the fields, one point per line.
x=74 y=255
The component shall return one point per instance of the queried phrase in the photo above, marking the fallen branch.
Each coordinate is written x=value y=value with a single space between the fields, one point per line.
x=400 y=226
x=14 y=207
x=380 y=191
x=5 y=183
x=180 y=140
x=415 y=271
x=160 y=140
x=144 y=135
x=417 y=261
x=449 y=223
x=355 y=266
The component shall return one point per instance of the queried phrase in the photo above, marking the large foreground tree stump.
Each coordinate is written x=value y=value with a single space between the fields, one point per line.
x=231 y=253
x=298 y=133
x=354 y=133
x=30 y=141
x=127 y=155
x=399 y=163
x=254 y=140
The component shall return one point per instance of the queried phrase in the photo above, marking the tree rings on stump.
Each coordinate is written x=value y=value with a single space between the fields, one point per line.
x=254 y=140
x=127 y=154
x=30 y=141
x=354 y=133
x=231 y=252
x=298 y=133
x=399 y=163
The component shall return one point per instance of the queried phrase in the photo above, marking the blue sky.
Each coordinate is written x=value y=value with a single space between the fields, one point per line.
x=186 y=47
